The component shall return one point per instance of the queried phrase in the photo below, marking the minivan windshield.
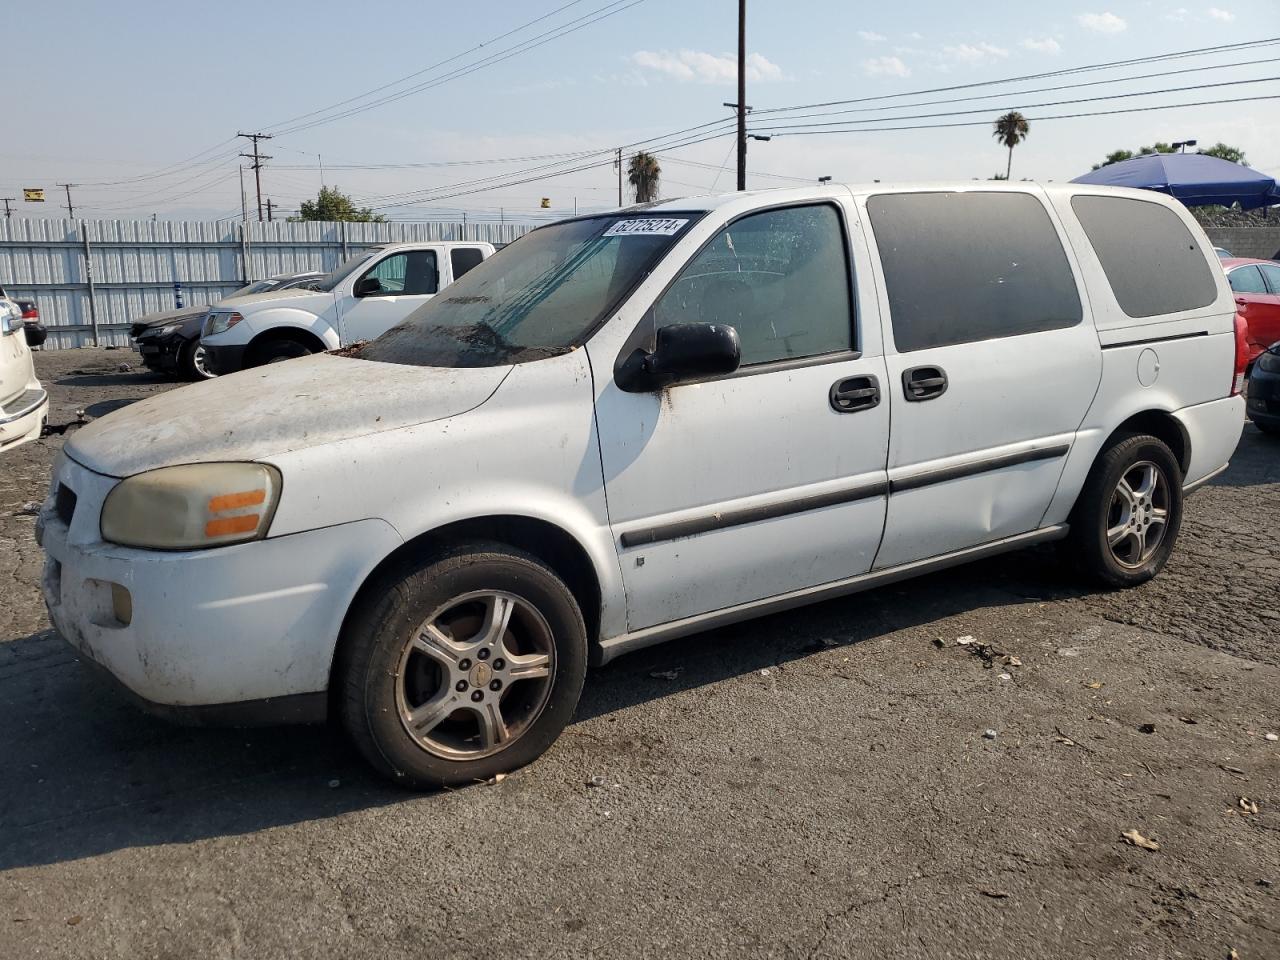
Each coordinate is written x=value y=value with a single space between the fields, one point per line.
x=541 y=296
x=345 y=269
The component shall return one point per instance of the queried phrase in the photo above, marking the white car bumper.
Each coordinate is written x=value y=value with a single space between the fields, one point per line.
x=23 y=418
x=244 y=633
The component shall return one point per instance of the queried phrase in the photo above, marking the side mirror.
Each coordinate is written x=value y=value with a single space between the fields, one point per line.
x=367 y=287
x=683 y=352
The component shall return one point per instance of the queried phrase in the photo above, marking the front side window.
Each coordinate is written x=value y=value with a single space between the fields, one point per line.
x=963 y=267
x=780 y=278
x=412 y=272
x=1151 y=260
x=538 y=297
x=345 y=269
x=1247 y=279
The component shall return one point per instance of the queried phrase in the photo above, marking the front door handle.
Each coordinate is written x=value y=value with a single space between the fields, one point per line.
x=854 y=393
x=924 y=383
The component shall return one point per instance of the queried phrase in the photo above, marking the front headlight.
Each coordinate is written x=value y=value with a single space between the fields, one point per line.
x=169 y=330
x=1269 y=362
x=192 y=506
x=220 y=321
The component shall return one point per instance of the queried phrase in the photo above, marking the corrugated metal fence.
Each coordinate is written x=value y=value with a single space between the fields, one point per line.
x=83 y=273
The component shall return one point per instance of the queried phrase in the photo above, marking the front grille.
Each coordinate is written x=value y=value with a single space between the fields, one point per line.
x=64 y=503
x=135 y=331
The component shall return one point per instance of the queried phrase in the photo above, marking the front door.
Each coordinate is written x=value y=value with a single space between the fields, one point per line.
x=387 y=292
x=991 y=367
x=768 y=480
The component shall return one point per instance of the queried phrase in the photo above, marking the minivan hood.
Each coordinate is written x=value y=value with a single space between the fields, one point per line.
x=275 y=409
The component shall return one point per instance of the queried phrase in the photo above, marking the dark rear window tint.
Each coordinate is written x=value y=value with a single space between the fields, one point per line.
x=1151 y=260
x=463 y=259
x=961 y=267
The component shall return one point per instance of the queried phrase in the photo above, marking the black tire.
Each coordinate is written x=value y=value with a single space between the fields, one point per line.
x=276 y=351
x=381 y=634
x=1094 y=512
x=1269 y=428
x=191 y=366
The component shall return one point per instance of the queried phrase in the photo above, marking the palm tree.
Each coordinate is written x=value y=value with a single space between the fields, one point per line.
x=1011 y=130
x=642 y=174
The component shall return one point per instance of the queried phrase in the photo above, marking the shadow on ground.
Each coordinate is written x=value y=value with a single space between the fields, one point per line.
x=86 y=773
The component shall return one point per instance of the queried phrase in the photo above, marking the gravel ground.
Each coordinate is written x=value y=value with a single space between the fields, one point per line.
x=815 y=784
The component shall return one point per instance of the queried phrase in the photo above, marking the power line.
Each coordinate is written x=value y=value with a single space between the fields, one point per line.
x=1087 y=68
x=1061 y=116
x=784 y=123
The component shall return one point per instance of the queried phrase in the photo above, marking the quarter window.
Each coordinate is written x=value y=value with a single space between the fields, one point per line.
x=406 y=274
x=962 y=267
x=780 y=278
x=1247 y=279
x=1151 y=260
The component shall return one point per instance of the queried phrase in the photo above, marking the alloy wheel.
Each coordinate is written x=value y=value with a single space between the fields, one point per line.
x=475 y=675
x=1138 y=516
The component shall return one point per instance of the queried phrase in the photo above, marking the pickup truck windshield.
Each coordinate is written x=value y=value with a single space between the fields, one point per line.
x=541 y=296
x=345 y=269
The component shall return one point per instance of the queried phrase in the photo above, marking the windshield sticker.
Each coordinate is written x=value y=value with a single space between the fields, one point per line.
x=666 y=227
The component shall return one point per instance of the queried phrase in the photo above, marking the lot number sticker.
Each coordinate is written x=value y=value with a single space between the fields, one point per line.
x=665 y=227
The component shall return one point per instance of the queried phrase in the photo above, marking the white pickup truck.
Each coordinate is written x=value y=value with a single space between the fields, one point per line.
x=366 y=296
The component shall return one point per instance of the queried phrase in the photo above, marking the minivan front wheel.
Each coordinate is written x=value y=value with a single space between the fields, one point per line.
x=1125 y=524
x=462 y=666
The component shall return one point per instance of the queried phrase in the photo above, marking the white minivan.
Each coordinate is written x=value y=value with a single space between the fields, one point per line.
x=631 y=427
x=366 y=296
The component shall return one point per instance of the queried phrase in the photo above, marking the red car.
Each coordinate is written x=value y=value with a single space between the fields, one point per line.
x=1256 y=284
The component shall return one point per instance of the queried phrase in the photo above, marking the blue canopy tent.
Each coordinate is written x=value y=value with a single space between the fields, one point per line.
x=1194 y=179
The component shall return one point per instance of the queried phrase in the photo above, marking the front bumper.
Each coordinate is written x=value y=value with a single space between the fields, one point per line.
x=160 y=353
x=1264 y=398
x=224 y=358
x=24 y=418
x=217 y=634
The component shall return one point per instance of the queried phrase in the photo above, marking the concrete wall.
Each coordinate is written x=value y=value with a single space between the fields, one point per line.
x=1262 y=242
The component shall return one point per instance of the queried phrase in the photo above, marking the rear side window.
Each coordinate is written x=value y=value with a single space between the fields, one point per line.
x=463 y=259
x=961 y=267
x=1247 y=279
x=1272 y=275
x=1151 y=260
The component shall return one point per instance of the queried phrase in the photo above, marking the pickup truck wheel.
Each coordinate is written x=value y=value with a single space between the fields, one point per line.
x=193 y=362
x=463 y=666
x=277 y=351
x=1125 y=524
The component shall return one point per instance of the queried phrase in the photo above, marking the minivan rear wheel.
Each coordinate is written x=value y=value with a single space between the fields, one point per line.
x=461 y=666
x=1126 y=521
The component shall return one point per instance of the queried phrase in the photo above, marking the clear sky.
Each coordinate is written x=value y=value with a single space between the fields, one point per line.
x=104 y=94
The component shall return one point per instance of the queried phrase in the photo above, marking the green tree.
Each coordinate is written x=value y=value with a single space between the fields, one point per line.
x=1011 y=129
x=1224 y=152
x=1116 y=156
x=332 y=205
x=643 y=173
x=1158 y=147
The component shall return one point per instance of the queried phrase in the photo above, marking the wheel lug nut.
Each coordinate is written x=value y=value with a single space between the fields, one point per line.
x=495 y=685
x=464 y=664
x=461 y=685
x=482 y=654
x=477 y=696
x=499 y=663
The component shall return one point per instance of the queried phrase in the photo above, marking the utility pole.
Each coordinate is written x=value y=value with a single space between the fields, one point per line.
x=321 y=161
x=244 y=208
x=269 y=217
x=71 y=213
x=257 y=159
x=8 y=200
x=618 y=163
x=742 y=94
